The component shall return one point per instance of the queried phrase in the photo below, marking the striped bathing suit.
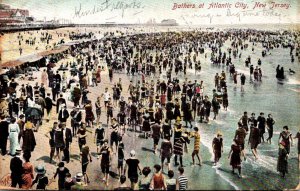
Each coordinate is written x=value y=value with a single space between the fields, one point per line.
x=183 y=181
x=197 y=142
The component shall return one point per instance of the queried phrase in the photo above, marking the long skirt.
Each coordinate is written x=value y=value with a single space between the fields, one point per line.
x=14 y=143
x=146 y=126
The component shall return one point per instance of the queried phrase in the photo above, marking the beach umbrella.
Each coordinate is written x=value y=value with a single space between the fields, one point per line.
x=33 y=112
x=51 y=65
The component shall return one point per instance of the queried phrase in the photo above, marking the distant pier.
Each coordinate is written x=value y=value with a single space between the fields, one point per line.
x=14 y=28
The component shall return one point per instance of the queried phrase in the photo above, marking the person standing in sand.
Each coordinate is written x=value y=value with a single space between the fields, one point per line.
x=44 y=77
x=98 y=75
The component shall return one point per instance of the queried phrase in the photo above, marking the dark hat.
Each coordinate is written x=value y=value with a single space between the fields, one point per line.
x=132 y=153
x=219 y=133
x=79 y=176
x=40 y=169
x=166 y=121
x=18 y=151
x=61 y=164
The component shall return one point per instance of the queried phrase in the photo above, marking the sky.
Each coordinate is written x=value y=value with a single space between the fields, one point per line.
x=141 y=11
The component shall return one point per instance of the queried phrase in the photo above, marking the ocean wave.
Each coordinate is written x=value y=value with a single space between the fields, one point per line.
x=264 y=161
x=293 y=82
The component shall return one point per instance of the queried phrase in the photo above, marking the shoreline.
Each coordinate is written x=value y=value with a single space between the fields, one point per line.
x=10 y=29
x=66 y=46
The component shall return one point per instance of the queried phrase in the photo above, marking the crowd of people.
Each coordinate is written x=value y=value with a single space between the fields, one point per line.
x=168 y=109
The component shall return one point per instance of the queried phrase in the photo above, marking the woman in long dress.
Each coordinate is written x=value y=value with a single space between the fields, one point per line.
x=177 y=109
x=27 y=176
x=254 y=140
x=65 y=80
x=282 y=164
x=14 y=131
x=146 y=124
x=89 y=115
x=225 y=100
x=44 y=77
x=217 y=145
x=98 y=76
x=71 y=95
x=235 y=157
x=29 y=142
x=90 y=77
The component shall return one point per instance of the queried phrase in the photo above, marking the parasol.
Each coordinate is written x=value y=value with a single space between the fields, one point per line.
x=33 y=112
x=51 y=65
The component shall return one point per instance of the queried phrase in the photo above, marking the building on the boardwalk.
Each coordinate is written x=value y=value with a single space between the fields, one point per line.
x=10 y=15
x=169 y=22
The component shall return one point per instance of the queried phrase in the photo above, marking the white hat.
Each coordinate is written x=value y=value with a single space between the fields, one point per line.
x=132 y=153
x=79 y=176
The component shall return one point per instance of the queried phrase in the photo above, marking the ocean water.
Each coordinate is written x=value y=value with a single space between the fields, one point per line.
x=269 y=96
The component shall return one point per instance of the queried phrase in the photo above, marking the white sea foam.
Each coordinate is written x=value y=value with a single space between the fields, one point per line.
x=226 y=179
x=263 y=161
x=268 y=149
x=295 y=90
x=293 y=82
